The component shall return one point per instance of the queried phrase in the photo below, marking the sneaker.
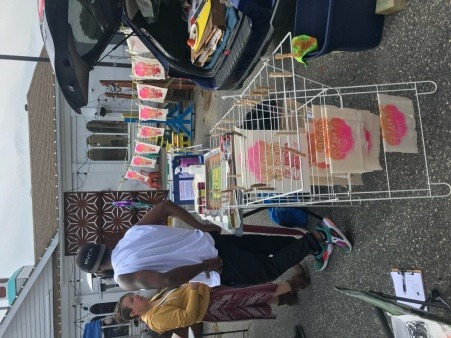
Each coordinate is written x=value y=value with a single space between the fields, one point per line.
x=299 y=332
x=334 y=235
x=322 y=259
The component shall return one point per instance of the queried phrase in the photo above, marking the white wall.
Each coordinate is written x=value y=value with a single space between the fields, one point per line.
x=81 y=174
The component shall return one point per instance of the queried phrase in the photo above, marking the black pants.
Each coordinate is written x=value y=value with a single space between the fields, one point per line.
x=255 y=259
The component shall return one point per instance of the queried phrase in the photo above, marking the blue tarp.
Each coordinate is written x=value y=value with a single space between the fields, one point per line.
x=93 y=330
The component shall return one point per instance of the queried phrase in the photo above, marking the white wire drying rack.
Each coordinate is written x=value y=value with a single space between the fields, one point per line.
x=284 y=100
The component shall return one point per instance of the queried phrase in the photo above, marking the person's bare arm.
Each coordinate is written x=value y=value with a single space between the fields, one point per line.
x=159 y=214
x=148 y=279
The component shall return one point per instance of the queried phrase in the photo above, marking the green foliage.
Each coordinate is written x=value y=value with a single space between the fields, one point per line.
x=88 y=22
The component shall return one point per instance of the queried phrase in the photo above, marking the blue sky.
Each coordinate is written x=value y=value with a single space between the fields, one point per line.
x=20 y=36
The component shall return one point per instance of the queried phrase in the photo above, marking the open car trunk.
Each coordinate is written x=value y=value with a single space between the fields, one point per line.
x=168 y=30
x=166 y=34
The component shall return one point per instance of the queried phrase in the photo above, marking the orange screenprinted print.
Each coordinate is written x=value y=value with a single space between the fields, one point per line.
x=338 y=137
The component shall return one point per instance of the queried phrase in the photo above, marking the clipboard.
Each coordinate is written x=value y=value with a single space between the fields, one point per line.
x=409 y=284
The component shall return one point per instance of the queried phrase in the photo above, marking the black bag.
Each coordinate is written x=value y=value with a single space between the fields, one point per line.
x=263 y=117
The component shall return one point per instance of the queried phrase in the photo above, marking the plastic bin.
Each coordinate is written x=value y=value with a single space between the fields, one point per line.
x=339 y=25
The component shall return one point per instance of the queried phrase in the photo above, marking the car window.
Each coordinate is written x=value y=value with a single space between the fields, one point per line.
x=86 y=29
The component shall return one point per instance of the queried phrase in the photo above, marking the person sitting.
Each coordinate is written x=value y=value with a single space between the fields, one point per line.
x=152 y=256
x=196 y=302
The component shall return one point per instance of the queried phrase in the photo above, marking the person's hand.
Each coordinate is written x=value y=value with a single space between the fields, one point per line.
x=193 y=285
x=213 y=264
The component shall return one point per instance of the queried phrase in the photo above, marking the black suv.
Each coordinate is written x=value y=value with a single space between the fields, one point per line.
x=76 y=32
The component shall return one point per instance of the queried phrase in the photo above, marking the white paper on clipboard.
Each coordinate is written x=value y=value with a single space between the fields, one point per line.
x=414 y=285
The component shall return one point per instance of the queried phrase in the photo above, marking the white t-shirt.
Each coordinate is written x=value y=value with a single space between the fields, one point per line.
x=162 y=248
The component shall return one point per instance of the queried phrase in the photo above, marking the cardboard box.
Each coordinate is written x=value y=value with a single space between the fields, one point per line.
x=215 y=20
x=389 y=6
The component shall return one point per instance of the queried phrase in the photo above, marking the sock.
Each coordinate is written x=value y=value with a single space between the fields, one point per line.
x=315 y=244
x=323 y=234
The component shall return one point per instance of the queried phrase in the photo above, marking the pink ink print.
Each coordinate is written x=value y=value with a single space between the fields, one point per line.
x=149 y=132
x=150 y=93
x=138 y=161
x=394 y=127
x=145 y=148
x=270 y=161
x=141 y=148
x=146 y=69
x=150 y=113
x=256 y=158
x=368 y=139
x=132 y=174
x=141 y=161
x=340 y=138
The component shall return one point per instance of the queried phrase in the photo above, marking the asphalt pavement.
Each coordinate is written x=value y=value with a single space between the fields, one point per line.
x=411 y=233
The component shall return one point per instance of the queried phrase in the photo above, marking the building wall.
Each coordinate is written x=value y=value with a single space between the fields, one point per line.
x=22 y=277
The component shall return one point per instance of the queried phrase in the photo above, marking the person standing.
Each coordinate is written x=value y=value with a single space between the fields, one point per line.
x=152 y=256
x=196 y=302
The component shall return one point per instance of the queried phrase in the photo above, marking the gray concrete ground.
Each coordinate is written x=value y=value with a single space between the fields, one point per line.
x=402 y=233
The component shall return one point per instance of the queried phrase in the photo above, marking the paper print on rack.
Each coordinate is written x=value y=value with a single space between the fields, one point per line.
x=338 y=135
x=280 y=161
x=398 y=124
x=371 y=145
x=151 y=93
x=134 y=175
x=147 y=113
x=146 y=148
x=141 y=161
x=145 y=131
x=144 y=68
